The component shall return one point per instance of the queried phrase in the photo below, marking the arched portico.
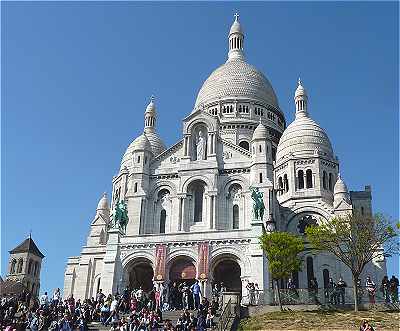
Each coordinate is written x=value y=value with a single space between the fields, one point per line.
x=226 y=270
x=138 y=273
x=181 y=268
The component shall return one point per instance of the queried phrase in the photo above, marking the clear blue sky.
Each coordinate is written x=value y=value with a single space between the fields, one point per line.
x=76 y=78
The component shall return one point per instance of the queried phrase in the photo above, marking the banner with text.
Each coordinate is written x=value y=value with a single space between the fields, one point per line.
x=161 y=253
x=203 y=260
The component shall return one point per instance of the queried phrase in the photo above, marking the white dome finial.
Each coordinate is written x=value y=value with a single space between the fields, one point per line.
x=236 y=17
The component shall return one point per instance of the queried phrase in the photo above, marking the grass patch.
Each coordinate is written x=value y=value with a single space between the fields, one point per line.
x=320 y=320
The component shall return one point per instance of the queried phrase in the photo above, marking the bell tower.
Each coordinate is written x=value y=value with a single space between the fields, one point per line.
x=25 y=263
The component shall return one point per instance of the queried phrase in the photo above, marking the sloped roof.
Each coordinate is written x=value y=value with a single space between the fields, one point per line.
x=11 y=287
x=28 y=245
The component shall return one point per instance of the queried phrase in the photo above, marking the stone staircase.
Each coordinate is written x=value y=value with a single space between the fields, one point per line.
x=172 y=315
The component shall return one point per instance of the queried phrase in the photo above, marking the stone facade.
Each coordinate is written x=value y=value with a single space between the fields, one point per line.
x=198 y=191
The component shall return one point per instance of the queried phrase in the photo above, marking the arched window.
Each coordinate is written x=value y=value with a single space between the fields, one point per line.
x=12 y=268
x=135 y=188
x=30 y=267
x=324 y=180
x=325 y=276
x=259 y=148
x=285 y=183
x=198 y=202
x=163 y=217
x=300 y=178
x=20 y=265
x=235 y=217
x=28 y=285
x=261 y=177
x=244 y=144
x=34 y=268
x=309 y=178
x=280 y=185
x=138 y=159
x=330 y=182
x=273 y=153
x=362 y=210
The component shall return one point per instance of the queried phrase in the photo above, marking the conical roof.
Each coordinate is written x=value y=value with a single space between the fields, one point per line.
x=27 y=246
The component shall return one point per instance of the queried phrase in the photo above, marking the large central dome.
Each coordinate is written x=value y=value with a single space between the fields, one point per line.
x=236 y=78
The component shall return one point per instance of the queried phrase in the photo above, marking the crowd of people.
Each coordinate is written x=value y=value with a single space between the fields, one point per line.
x=133 y=310
x=335 y=291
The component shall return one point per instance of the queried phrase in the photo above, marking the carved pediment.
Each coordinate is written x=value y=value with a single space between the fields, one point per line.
x=170 y=157
x=231 y=152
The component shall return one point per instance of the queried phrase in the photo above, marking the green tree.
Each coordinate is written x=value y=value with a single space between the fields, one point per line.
x=282 y=250
x=355 y=240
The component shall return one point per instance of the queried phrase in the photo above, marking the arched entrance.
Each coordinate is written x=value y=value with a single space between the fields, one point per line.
x=140 y=274
x=182 y=269
x=227 y=271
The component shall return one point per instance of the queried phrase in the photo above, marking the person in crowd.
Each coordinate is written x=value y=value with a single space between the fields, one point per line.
x=291 y=286
x=332 y=297
x=100 y=296
x=366 y=326
x=250 y=293
x=196 y=291
x=56 y=297
x=385 y=288
x=371 y=289
x=341 y=290
x=394 y=289
x=44 y=301
x=313 y=288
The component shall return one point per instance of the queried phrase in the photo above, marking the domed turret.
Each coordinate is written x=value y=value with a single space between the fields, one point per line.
x=147 y=141
x=260 y=132
x=340 y=191
x=103 y=203
x=303 y=136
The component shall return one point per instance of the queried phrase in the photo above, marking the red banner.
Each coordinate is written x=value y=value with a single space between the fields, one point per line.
x=161 y=253
x=203 y=260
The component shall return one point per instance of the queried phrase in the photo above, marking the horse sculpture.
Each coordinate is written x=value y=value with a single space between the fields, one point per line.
x=258 y=203
x=120 y=218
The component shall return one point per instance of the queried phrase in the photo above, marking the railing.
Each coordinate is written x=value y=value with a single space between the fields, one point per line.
x=225 y=316
x=318 y=297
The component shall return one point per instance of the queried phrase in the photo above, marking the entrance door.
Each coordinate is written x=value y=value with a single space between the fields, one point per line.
x=141 y=275
x=228 y=273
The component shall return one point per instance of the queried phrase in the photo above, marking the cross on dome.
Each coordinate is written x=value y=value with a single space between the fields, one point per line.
x=299 y=81
x=236 y=17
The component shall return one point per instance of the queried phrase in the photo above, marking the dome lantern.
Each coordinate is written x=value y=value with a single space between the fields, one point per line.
x=150 y=116
x=300 y=99
x=236 y=38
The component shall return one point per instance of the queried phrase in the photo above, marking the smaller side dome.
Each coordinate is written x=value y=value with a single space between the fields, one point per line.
x=340 y=186
x=260 y=132
x=103 y=203
x=141 y=143
x=340 y=192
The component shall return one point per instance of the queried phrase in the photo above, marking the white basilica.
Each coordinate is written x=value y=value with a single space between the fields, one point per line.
x=189 y=205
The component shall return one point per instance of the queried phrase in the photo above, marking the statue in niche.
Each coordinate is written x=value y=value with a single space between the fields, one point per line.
x=201 y=147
